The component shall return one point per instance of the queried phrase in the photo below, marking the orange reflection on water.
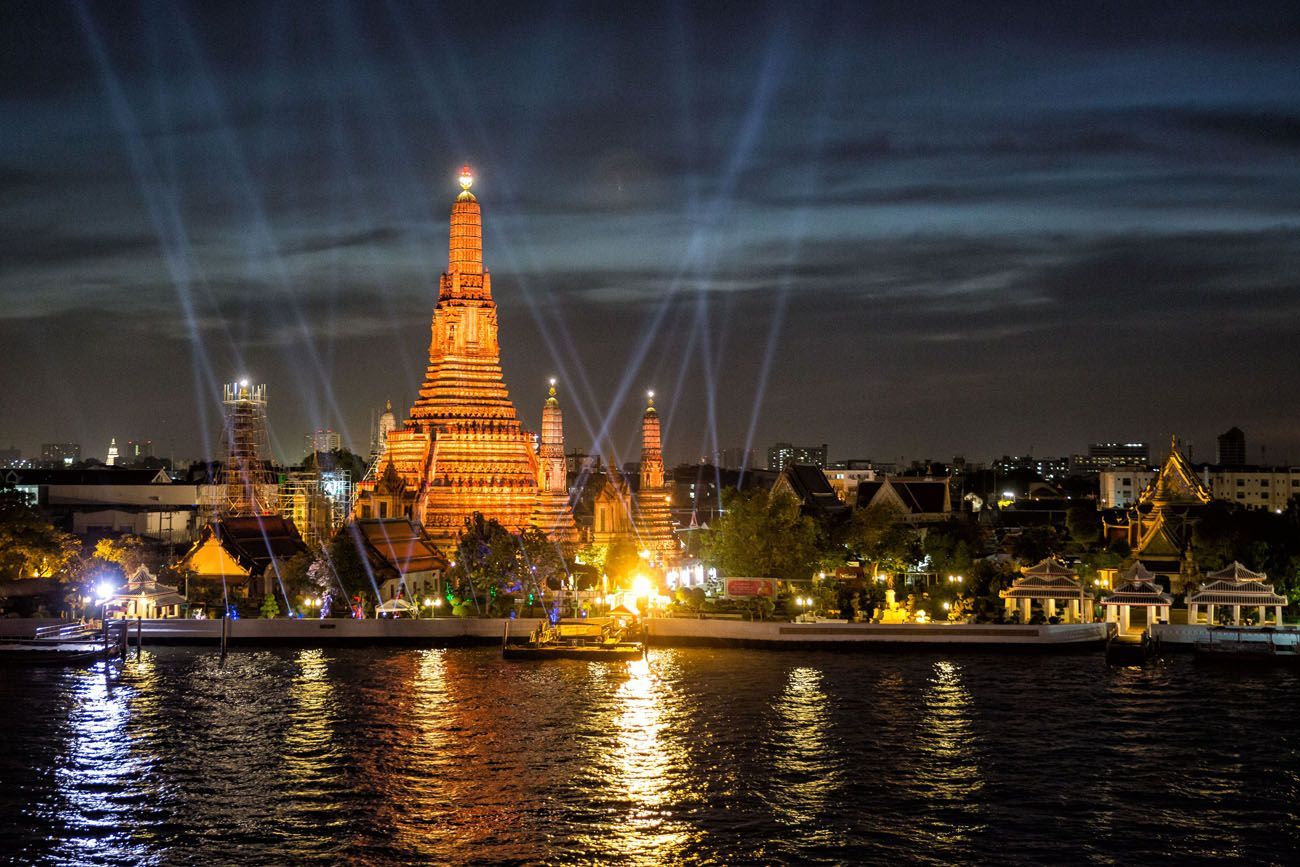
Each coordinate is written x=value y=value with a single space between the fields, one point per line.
x=947 y=748
x=640 y=767
x=804 y=755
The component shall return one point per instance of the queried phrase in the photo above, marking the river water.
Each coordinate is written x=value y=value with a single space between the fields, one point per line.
x=374 y=756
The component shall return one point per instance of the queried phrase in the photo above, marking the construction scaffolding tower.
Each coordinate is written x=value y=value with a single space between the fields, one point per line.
x=247 y=481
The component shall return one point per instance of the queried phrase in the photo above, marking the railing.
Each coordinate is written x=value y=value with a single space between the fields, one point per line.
x=61 y=631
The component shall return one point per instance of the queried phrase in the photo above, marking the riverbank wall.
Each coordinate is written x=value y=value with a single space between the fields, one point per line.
x=661 y=632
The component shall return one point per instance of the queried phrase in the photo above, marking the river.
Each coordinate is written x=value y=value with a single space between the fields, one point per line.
x=377 y=756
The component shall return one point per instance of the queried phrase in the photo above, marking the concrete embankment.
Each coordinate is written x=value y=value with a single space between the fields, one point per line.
x=670 y=632
x=663 y=632
x=1183 y=635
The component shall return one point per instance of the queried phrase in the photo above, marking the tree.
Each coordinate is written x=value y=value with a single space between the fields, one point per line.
x=622 y=560
x=348 y=570
x=1033 y=544
x=270 y=608
x=487 y=561
x=763 y=535
x=129 y=552
x=30 y=546
x=1083 y=522
x=880 y=536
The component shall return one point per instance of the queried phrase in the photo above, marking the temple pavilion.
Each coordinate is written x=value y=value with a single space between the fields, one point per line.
x=1159 y=523
x=1048 y=583
x=1137 y=588
x=144 y=597
x=1236 y=587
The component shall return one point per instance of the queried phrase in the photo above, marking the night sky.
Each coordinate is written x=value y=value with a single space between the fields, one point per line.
x=900 y=229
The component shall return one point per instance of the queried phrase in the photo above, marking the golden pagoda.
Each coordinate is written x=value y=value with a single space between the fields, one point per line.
x=553 y=514
x=654 y=527
x=1159 y=524
x=463 y=449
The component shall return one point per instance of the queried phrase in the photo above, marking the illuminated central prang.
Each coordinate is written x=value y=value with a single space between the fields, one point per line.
x=463 y=449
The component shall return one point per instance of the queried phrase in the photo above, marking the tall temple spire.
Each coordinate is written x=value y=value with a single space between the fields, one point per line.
x=465 y=247
x=463 y=449
x=554 y=514
x=652 y=456
x=653 y=516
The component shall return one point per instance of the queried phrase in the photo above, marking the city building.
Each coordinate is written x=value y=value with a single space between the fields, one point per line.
x=1102 y=456
x=11 y=457
x=324 y=441
x=111 y=459
x=463 y=449
x=97 y=503
x=55 y=455
x=1232 y=448
x=737 y=458
x=781 y=455
x=845 y=476
x=1250 y=486
x=138 y=450
x=1050 y=469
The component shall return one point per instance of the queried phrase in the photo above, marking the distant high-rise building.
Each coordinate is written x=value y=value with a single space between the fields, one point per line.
x=139 y=449
x=1102 y=456
x=1232 y=448
x=781 y=455
x=11 y=457
x=738 y=458
x=111 y=459
x=324 y=441
x=60 y=454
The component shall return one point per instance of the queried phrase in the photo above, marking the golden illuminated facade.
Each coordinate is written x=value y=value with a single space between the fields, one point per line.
x=1159 y=524
x=463 y=450
x=554 y=512
x=654 y=525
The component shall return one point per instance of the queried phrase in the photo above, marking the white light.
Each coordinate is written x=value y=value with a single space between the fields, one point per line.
x=103 y=592
x=243 y=383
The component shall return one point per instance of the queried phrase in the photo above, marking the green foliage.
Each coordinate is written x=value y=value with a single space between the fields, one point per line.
x=881 y=537
x=1083 y=522
x=1033 y=544
x=762 y=535
x=346 y=563
x=129 y=552
x=622 y=560
x=270 y=608
x=31 y=546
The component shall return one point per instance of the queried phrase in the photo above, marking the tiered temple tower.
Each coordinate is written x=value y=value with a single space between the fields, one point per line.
x=653 y=514
x=463 y=449
x=554 y=513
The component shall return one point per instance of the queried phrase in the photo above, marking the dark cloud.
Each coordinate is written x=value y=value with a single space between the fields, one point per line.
x=938 y=228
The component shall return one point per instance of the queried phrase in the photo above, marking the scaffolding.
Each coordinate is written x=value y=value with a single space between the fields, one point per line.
x=317 y=502
x=247 y=484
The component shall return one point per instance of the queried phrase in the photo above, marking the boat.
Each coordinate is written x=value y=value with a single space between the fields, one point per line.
x=1257 y=646
x=71 y=644
x=1128 y=649
x=620 y=636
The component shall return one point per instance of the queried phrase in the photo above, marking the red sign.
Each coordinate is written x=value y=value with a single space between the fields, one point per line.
x=749 y=587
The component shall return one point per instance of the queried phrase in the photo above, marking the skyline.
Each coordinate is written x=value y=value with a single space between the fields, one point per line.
x=1033 y=230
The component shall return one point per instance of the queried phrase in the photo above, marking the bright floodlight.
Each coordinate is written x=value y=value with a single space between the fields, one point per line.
x=243 y=383
x=466 y=177
x=103 y=592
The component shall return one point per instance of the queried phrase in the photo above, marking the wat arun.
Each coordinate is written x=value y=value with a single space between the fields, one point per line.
x=463 y=449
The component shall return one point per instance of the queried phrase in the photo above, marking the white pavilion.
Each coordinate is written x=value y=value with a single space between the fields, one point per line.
x=1049 y=582
x=1238 y=587
x=1137 y=588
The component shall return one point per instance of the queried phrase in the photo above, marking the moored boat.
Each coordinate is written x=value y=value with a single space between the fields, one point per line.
x=65 y=645
x=1251 y=646
x=619 y=636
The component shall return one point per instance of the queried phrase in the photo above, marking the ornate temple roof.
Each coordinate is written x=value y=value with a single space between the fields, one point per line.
x=1176 y=484
x=1237 y=572
x=1048 y=579
x=1138 y=586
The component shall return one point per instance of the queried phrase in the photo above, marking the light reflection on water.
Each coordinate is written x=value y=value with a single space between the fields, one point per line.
x=448 y=756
